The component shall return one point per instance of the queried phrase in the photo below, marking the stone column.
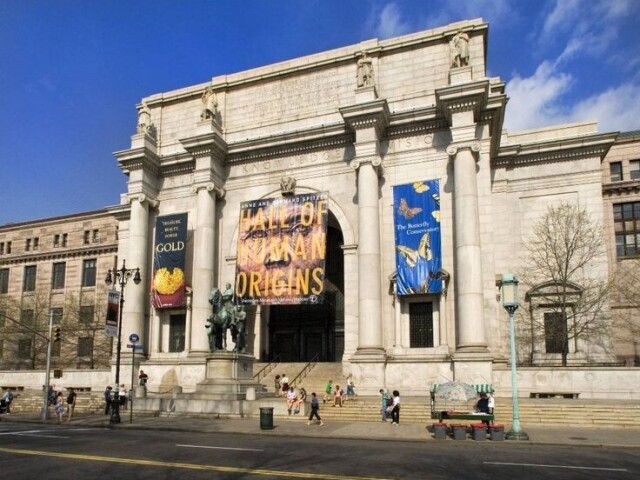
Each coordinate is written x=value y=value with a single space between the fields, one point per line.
x=369 y=273
x=468 y=278
x=136 y=296
x=203 y=264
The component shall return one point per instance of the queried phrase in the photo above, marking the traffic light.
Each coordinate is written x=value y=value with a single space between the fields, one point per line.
x=56 y=336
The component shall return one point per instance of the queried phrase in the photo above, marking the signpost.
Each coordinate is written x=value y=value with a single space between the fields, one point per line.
x=134 y=339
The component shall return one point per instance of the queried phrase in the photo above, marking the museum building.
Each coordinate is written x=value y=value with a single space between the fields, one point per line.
x=421 y=201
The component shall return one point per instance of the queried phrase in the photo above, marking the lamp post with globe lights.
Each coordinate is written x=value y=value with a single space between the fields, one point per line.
x=120 y=276
x=509 y=296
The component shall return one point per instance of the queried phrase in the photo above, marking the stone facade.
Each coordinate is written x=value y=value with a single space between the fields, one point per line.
x=56 y=267
x=354 y=122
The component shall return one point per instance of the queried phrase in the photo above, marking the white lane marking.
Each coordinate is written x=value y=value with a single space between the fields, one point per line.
x=30 y=433
x=541 y=465
x=221 y=448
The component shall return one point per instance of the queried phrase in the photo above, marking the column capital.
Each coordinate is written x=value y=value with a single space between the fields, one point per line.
x=210 y=187
x=142 y=198
x=374 y=161
x=454 y=148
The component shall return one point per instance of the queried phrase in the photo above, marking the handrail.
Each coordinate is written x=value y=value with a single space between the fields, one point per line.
x=305 y=371
x=264 y=371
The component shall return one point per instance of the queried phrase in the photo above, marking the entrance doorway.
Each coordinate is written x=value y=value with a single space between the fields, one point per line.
x=300 y=333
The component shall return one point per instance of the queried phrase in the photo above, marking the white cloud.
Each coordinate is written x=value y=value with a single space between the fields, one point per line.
x=532 y=99
x=389 y=24
x=536 y=102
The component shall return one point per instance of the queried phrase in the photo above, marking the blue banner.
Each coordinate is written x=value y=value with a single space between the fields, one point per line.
x=416 y=208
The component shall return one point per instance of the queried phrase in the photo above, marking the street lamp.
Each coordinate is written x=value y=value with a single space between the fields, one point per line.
x=509 y=295
x=121 y=277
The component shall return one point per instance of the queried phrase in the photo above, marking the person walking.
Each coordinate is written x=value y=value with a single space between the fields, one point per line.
x=395 y=412
x=384 y=403
x=122 y=397
x=315 y=406
x=59 y=407
x=107 y=399
x=71 y=402
x=8 y=398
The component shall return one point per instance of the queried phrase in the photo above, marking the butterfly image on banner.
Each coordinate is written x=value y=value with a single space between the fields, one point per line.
x=420 y=187
x=412 y=256
x=406 y=212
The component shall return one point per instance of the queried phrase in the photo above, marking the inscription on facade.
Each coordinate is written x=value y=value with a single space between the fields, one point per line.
x=296 y=161
x=290 y=96
x=410 y=143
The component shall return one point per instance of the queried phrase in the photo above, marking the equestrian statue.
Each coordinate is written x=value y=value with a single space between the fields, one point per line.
x=225 y=316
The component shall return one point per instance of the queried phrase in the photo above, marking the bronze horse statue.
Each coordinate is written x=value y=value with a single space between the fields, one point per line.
x=220 y=320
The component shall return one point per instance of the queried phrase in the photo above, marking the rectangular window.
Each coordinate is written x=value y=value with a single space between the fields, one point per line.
x=64 y=239
x=29 y=280
x=1 y=248
x=36 y=243
x=55 y=349
x=95 y=236
x=4 y=280
x=85 y=346
x=56 y=240
x=87 y=237
x=177 y=329
x=8 y=247
x=27 y=317
x=421 y=325
x=555 y=332
x=24 y=348
x=615 y=168
x=634 y=169
x=86 y=314
x=626 y=223
x=27 y=245
x=89 y=273
x=56 y=315
x=58 y=275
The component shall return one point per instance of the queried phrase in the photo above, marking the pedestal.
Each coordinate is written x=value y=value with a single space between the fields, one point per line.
x=229 y=376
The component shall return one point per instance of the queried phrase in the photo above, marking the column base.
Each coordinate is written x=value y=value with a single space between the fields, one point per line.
x=513 y=435
x=369 y=355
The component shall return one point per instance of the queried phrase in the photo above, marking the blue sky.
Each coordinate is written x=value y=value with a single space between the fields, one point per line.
x=71 y=71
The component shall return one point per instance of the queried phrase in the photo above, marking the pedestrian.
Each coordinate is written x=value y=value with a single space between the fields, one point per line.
x=302 y=398
x=351 y=387
x=315 y=406
x=122 y=397
x=384 y=403
x=143 y=379
x=292 y=399
x=276 y=385
x=284 y=382
x=71 y=402
x=107 y=399
x=327 y=391
x=395 y=410
x=338 y=397
x=59 y=407
x=8 y=398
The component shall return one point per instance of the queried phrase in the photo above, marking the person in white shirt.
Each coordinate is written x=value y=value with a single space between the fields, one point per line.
x=292 y=398
x=395 y=412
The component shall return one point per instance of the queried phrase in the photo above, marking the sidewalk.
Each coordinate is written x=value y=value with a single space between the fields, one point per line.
x=592 y=437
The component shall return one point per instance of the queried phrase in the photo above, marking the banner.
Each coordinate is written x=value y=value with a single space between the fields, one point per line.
x=416 y=209
x=113 y=312
x=281 y=250
x=168 y=288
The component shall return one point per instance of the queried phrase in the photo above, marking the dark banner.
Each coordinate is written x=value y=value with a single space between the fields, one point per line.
x=416 y=209
x=281 y=250
x=168 y=289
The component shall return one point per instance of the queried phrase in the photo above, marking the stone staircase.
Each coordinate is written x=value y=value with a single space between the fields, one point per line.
x=31 y=401
x=315 y=381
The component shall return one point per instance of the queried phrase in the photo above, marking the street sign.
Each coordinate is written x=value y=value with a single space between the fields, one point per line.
x=134 y=338
x=135 y=346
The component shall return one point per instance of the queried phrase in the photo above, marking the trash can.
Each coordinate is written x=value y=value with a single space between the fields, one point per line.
x=459 y=432
x=266 y=418
x=496 y=433
x=479 y=431
x=440 y=431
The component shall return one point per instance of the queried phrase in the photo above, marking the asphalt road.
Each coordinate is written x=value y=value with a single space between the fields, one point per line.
x=61 y=452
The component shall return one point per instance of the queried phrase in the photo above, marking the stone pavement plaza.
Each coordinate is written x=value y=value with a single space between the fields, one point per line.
x=412 y=432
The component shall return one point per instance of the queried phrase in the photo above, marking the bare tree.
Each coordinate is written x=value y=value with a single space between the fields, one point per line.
x=564 y=274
